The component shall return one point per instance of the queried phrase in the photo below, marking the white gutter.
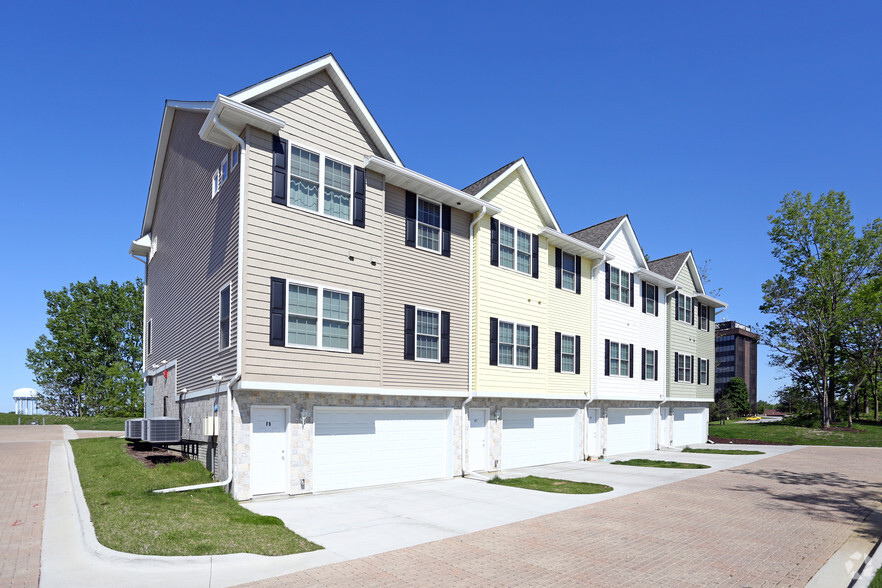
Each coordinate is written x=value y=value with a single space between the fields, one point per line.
x=594 y=330
x=471 y=291
x=238 y=375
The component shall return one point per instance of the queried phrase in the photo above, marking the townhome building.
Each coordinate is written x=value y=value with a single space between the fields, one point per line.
x=690 y=351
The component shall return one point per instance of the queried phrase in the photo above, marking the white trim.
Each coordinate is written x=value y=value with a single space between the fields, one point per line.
x=671 y=399
x=570 y=244
x=429 y=187
x=234 y=116
x=562 y=335
x=514 y=345
x=440 y=226
x=514 y=268
x=712 y=302
x=531 y=395
x=416 y=334
x=193 y=394
x=256 y=385
x=619 y=373
x=319 y=317
x=532 y=190
x=229 y=318
x=655 y=301
x=323 y=157
x=630 y=289
x=161 y=368
x=656 y=279
x=577 y=259
x=333 y=69
x=148 y=339
x=287 y=446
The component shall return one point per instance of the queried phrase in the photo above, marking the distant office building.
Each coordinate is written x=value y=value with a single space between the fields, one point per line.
x=736 y=357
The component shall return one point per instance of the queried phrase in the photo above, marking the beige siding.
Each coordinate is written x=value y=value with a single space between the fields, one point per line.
x=430 y=280
x=197 y=254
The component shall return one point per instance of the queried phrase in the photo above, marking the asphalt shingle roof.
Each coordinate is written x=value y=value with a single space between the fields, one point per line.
x=473 y=189
x=595 y=235
x=668 y=266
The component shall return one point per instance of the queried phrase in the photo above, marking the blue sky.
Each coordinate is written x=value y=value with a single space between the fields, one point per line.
x=694 y=118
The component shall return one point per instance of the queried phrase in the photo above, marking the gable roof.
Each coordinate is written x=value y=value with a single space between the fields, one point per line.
x=670 y=266
x=482 y=187
x=597 y=235
x=328 y=64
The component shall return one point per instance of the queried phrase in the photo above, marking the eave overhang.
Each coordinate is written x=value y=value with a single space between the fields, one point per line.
x=235 y=116
x=655 y=278
x=573 y=245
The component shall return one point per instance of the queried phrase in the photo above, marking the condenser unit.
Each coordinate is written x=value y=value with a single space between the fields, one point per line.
x=135 y=429
x=162 y=430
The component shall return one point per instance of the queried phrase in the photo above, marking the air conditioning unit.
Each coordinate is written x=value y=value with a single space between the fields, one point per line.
x=162 y=430
x=209 y=426
x=135 y=429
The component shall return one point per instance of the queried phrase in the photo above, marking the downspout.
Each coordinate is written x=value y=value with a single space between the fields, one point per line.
x=590 y=400
x=462 y=448
x=667 y=344
x=238 y=375
x=594 y=331
x=143 y=322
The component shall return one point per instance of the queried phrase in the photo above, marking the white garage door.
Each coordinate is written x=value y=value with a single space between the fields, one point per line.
x=689 y=426
x=629 y=430
x=372 y=446
x=538 y=436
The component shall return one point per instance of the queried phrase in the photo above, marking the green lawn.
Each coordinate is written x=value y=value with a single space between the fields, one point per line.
x=723 y=451
x=129 y=517
x=552 y=485
x=657 y=463
x=80 y=423
x=869 y=434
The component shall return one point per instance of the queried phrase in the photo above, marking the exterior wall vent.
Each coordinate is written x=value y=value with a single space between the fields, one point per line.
x=162 y=430
x=135 y=429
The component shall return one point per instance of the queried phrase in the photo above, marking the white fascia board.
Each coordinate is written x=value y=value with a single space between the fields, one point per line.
x=529 y=395
x=705 y=299
x=655 y=278
x=327 y=389
x=532 y=189
x=235 y=116
x=159 y=158
x=426 y=186
x=160 y=368
x=573 y=245
x=631 y=237
x=690 y=400
x=329 y=64
x=141 y=247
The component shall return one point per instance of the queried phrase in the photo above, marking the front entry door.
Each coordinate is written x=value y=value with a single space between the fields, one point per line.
x=268 y=464
x=477 y=439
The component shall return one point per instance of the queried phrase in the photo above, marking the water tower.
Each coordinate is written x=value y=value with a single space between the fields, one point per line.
x=25 y=401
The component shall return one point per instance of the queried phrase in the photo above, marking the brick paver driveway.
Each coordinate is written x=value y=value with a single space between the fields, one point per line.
x=774 y=522
x=24 y=467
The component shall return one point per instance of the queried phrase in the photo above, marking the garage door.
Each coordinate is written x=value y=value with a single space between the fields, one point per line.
x=538 y=436
x=629 y=430
x=372 y=446
x=689 y=426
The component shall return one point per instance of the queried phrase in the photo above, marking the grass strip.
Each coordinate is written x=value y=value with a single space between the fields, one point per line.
x=552 y=485
x=657 y=463
x=865 y=433
x=723 y=451
x=78 y=423
x=129 y=517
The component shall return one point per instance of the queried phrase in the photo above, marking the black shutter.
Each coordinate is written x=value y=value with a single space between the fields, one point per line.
x=693 y=312
x=277 y=312
x=643 y=363
x=534 y=351
x=557 y=268
x=676 y=299
x=643 y=294
x=557 y=352
x=578 y=354
x=494 y=341
x=410 y=213
x=536 y=256
x=606 y=357
x=676 y=365
x=357 y=322
x=578 y=275
x=632 y=288
x=631 y=360
x=445 y=337
x=655 y=363
x=606 y=270
x=409 y=331
x=494 y=242
x=280 y=170
x=657 y=299
x=692 y=374
x=358 y=208
x=445 y=230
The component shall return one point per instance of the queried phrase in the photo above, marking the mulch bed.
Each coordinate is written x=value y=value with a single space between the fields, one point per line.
x=151 y=456
x=726 y=441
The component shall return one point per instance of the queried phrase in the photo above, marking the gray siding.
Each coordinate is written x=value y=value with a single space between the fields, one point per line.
x=689 y=339
x=427 y=279
x=197 y=253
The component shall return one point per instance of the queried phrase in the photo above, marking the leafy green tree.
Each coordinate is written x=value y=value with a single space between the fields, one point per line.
x=822 y=263
x=862 y=345
x=737 y=395
x=720 y=410
x=89 y=362
x=762 y=406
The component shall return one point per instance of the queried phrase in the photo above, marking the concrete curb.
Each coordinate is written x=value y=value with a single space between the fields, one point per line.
x=852 y=564
x=872 y=565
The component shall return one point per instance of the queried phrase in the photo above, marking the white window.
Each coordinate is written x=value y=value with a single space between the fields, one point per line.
x=702 y=370
x=514 y=344
x=684 y=308
x=684 y=368
x=428 y=225
x=215 y=183
x=224 y=169
x=320 y=184
x=224 y=317
x=568 y=271
x=568 y=354
x=649 y=368
x=619 y=285
x=619 y=359
x=651 y=297
x=318 y=317
x=515 y=249
x=703 y=312
x=428 y=335
x=234 y=156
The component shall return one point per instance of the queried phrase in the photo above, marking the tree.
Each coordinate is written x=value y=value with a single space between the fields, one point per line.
x=704 y=271
x=862 y=344
x=762 y=406
x=720 y=410
x=822 y=263
x=737 y=395
x=90 y=361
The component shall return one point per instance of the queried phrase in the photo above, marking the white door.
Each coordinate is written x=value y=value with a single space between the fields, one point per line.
x=629 y=430
x=689 y=426
x=538 y=436
x=477 y=439
x=356 y=447
x=269 y=472
x=664 y=437
x=591 y=430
